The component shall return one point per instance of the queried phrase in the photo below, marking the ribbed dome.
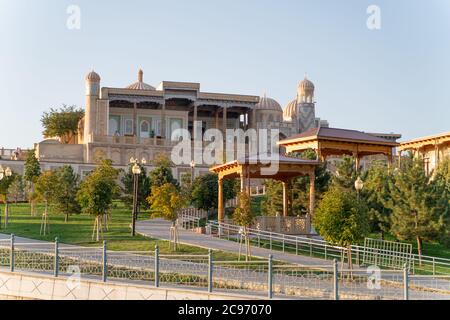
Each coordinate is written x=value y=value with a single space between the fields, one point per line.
x=290 y=111
x=140 y=84
x=93 y=76
x=266 y=103
x=306 y=84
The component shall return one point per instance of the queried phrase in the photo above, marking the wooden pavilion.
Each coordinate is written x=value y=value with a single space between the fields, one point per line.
x=333 y=141
x=282 y=168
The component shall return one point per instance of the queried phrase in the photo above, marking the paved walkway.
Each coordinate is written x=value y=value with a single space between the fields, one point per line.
x=160 y=229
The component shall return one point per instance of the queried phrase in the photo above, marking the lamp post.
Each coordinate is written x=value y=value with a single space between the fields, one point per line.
x=359 y=185
x=192 y=172
x=5 y=173
x=136 y=170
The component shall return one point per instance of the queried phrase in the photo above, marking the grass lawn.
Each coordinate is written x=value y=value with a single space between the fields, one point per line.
x=78 y=231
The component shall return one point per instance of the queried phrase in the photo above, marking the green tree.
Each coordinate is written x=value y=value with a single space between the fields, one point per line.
x=66 y=192
x=162 y=173
x=419 y=205
x=340 y=218
x=244 y=217
x=298 y=189
x=346 y=173
x=17 y=188
x=62 y=123
x=273 y=200
x=97 y=192
x=376 y=193
x=165 y=202
x=442 y=186
x=205 y=191
x=144 y=188
x=45 y=190
x=5 y=185
x=31 y=172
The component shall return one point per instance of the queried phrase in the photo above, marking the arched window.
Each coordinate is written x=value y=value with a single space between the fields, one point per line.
x=145 y=129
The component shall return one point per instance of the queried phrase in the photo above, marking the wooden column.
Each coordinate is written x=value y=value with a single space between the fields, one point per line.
x=220 y=209
x=135 y=124
x=285 y=199
x=224 y=121
x=242 y=177
x=194 y=122
x=163 y=120
x=312 y=198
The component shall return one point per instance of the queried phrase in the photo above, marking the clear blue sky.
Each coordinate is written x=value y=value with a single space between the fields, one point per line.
x=396 y=79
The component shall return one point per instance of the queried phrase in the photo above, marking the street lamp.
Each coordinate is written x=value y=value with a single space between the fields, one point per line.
x=5 y=173
x=359 y=185
x=136 y=170
x=192 y=172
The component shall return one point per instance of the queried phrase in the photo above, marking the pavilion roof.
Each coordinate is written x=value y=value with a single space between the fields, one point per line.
x=337 y=134
x=287 y=166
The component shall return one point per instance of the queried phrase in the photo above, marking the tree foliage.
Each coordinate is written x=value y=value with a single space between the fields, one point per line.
x=144 y=187
x=206 y=188
x=66 y=191
x=165 y=202
x=32 y=167
x=46 y=187
x=298 y=192
x=243 y=215
x=376 y=193
x=17 y=188
x=419 y=205
x=162 y=173
x=340 y=218
x=98 y=190
x=62 y=123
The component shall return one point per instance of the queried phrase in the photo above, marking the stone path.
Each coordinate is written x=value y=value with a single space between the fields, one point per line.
x=160 y=229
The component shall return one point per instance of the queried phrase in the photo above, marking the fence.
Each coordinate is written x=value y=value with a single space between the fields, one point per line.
x=190 y=218
x=361 y=255
x=265 y=277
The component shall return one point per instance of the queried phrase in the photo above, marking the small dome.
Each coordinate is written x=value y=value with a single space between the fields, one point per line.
x=93 y=76
x=290 y=111
x=306 y=85
x=268 y=104
x=140 y=84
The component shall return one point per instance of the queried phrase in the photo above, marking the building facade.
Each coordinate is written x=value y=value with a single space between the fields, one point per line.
x=141 y=120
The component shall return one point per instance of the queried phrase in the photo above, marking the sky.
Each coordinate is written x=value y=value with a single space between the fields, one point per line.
x=392 y=79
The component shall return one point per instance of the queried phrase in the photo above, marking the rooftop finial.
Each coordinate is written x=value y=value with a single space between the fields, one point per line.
x=306 y=75
x=140 y=75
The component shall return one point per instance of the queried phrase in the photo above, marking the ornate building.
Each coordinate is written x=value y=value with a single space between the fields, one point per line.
x=140 y=119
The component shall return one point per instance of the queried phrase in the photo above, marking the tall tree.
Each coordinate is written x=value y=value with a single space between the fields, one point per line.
x=442 y=186
x=32 y=172
x=97 y=192
x=144 y=187
x=376 y=193
x=62 y=123
x=417 y=209
x=67 y=188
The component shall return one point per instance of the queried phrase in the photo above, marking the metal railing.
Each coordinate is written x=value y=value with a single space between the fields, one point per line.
x=361 y=256
x=264 y=277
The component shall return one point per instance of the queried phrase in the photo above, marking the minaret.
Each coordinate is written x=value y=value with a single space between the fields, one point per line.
x=92 y=95
x=306 y=114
